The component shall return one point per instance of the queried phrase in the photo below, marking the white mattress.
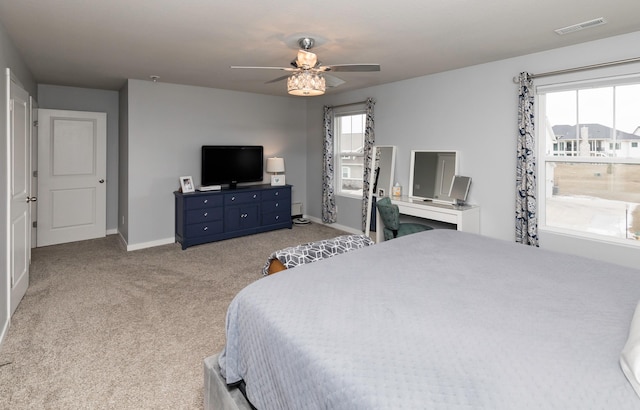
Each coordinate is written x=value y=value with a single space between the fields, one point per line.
x=438 y=320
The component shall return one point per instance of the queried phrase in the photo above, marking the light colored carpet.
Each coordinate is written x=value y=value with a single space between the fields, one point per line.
x=102 y=328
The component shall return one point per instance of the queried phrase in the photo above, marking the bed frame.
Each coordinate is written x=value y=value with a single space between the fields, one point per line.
x=217 y=395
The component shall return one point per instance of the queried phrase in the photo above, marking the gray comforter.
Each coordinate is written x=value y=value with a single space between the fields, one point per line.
x=437 y=320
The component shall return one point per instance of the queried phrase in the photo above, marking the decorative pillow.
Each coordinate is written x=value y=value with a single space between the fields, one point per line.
x=275 y=266
x=630 y=357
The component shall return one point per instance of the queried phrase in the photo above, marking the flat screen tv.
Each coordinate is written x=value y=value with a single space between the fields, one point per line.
x=231 y=164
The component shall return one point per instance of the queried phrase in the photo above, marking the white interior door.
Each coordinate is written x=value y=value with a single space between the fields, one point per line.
x=72 y=167
x=19 y=191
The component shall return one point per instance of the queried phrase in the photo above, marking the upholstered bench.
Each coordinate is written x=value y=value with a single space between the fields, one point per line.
x=313 y=251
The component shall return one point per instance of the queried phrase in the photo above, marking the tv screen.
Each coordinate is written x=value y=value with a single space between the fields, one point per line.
x=231 y=164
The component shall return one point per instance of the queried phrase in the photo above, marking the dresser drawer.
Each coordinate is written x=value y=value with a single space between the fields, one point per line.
x=202 y=201
x=276 y=206
x=203 y=229
x=203 y=215
x=278 y=193
x=276 y=218
x=241 y=198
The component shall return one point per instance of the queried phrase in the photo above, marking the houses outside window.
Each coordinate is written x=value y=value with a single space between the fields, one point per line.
x=589 y=162
x=349 y=156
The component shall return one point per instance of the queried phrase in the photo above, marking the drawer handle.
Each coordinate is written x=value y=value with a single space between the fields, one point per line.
x=277 y=193
x=233 y=198
x=205 y=201
x=206 y=228
x=254 y=196
x=277 y=217
x=277 y=204
x=206 y=213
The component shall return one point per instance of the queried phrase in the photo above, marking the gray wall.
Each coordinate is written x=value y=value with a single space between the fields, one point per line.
x=123 y=162
x=9 y=58
x=167 y=125
x=472 y=110
x=85 y=99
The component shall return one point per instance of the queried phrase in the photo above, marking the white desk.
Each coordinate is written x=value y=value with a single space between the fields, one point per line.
x=466 y=217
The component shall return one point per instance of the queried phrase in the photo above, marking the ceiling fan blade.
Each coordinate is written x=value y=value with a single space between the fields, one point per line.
x=275 y=80
x=350 y=68
x=267 y=68
x=332 y=80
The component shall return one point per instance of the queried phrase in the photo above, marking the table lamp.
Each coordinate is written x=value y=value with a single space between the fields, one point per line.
x=275 y=165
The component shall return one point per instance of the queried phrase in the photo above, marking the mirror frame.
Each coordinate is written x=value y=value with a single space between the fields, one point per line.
x=372 y=176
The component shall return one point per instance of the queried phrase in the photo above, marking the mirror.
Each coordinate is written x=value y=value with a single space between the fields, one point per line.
x=431 y=175
x=385 y=170
x=382 y=174
x=460 y=189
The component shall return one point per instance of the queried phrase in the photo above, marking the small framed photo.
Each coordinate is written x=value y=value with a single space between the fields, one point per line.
x=186 y=183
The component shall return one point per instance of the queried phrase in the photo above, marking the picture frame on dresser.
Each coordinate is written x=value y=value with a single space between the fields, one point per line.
x=186 y=184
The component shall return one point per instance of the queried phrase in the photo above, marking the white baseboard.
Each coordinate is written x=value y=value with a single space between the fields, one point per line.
x=144 y=245
x=113 y=231
x=349 y=229
x=166 y=241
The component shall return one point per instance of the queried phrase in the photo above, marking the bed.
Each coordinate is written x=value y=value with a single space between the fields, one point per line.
x=441 y=320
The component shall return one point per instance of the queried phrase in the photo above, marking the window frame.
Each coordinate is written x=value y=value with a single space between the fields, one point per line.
x=338 y=155
x=543 y=159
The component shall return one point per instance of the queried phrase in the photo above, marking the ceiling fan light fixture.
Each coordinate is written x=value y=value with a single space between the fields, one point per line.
x=306 y=84
x=306 y=59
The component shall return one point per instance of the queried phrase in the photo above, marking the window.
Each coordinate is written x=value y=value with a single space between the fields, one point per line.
x=589 y=163
x=349 y=156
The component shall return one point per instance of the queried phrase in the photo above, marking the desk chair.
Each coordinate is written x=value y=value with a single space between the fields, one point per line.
x=390 y=215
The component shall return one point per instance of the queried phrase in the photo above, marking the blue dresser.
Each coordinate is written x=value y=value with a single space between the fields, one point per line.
x=203 y=217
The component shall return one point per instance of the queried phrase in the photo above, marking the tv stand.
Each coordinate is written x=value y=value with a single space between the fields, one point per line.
x=203 y=217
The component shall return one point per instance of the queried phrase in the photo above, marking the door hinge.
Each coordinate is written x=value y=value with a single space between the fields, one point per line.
x=35 y=123
x=35 y=174
x=34 y=224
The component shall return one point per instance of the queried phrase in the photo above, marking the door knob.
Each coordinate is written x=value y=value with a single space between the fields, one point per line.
x=101 y=181
x=31 y=199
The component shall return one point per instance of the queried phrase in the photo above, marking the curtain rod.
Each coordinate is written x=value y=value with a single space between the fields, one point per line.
x=346 y=105
x=583 y=68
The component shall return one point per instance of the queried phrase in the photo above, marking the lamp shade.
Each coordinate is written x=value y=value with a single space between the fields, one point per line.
x=275 y=164
x=306 y=84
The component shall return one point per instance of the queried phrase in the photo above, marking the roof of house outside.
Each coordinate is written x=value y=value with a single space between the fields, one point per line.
x=596 y=132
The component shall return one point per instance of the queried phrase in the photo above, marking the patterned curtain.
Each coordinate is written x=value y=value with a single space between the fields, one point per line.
x=329 y=214
x=369 y=140
x=526 y=200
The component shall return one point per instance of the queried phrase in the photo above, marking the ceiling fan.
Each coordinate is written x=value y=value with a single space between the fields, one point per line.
x=308 y=76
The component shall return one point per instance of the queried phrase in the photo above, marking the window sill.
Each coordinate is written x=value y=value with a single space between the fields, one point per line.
x=567 y=233
x=620 y=252
x=349 y=196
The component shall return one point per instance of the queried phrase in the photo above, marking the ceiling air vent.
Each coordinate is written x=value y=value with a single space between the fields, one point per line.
x=581 y=26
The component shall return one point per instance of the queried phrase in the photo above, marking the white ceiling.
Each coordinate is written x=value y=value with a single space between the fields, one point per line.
x=100 y=43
